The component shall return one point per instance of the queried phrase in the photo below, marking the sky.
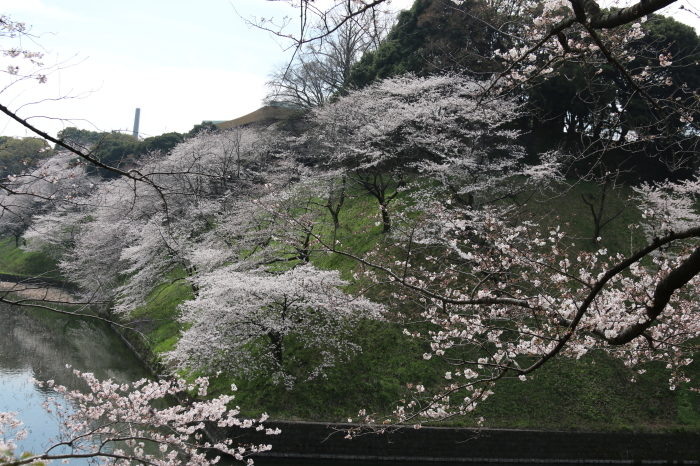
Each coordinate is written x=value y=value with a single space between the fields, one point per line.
x=179 y=61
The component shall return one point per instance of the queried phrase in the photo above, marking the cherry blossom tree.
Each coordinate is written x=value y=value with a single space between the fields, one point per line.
x=506 y=297
x=162 y=232
x=642 y=97
x=438 y=126
x=56 y=181
x=204 y=203
x=100 y=233
x=16 y=215
x=212 y=163
x=87 y=236
x=356 y=138
x=259 y=232
x=667 y=207
x=631 y=85
x=23 y=64
x=124 y=423
x=243 y=322
x=94 y=262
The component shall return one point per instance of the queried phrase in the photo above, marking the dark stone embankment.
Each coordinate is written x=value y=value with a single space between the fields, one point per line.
x=442 y=444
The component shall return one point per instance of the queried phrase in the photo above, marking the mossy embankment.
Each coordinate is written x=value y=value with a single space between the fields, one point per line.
x=18 y=264
x=596 y=392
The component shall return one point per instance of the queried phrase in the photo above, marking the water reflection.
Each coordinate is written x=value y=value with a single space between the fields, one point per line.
x=39 y=344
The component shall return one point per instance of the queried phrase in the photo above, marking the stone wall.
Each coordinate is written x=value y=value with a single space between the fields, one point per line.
x=320 y=440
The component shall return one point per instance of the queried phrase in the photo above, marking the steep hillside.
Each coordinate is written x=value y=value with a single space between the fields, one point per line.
x=596 y=392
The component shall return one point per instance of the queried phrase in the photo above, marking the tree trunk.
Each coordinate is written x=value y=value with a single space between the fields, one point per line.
x=276 y=346
x=386 y=220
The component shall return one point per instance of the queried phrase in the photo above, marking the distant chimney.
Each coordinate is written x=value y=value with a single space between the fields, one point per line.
x=137 y=116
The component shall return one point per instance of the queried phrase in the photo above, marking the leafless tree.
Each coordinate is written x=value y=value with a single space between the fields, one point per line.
x=321 y=68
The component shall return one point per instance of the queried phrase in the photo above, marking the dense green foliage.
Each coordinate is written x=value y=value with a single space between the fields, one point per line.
x=80 y=137
x=19 y=154
x=576 y=108
x=435 y=37
x=115 y=150
x=164 y=142
x=121 y=150
x=204 y=126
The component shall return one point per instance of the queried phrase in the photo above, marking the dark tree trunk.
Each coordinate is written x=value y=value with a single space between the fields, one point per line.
x=276 y=346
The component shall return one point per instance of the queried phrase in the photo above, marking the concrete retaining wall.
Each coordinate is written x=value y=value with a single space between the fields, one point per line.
x=319 y=440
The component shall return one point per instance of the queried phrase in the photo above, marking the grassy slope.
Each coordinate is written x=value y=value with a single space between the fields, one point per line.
x=595 y=392
x=156 y=322
x=15 y=261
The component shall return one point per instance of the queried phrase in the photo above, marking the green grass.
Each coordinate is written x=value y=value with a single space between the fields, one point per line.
x=594 y=393
x=374 y=380
x=156 y=322
x=357 y=233
x=23 y=264
x=569 y=211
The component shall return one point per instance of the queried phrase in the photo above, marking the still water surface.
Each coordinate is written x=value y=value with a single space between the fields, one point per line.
x=39 y=344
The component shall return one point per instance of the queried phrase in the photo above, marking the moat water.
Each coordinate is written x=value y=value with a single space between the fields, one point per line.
x=39 y=345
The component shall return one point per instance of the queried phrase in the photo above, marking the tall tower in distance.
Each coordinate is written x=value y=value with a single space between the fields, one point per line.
x=137 y=117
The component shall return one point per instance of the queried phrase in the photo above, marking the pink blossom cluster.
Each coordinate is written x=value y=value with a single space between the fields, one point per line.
x=122 y=423
x=500 y=294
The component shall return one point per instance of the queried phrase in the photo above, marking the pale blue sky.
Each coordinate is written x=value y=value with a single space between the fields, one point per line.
x=181 y=62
